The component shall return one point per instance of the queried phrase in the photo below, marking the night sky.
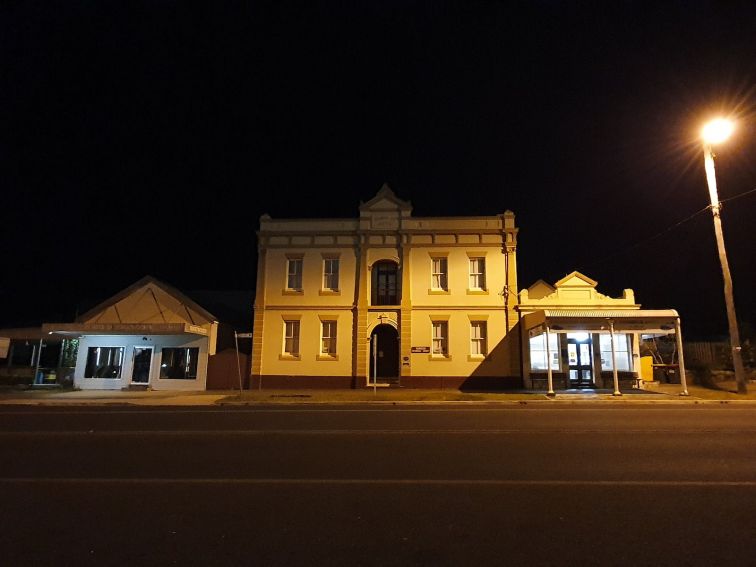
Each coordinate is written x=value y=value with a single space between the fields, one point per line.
x=148 y=137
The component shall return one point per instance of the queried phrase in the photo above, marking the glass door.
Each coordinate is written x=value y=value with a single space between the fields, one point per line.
x=142 y=363
x=579 y=358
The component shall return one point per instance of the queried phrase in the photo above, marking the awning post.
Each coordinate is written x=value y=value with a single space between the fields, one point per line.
x=548 y=363
x=680 y=358
x=614 y=360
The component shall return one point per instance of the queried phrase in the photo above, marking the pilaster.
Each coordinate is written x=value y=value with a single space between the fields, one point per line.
x=405 y=318
x=360 y=339
x=259 y=313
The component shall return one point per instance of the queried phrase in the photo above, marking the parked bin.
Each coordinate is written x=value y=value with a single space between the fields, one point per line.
x=667 y=373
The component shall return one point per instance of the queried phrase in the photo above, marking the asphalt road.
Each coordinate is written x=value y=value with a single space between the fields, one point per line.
x=379 y=485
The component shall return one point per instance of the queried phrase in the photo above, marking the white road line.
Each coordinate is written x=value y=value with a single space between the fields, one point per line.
x=346 y=432
x=403 y=409
x=382 y=482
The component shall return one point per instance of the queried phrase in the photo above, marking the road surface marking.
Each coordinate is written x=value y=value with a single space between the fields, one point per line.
x=383 y=482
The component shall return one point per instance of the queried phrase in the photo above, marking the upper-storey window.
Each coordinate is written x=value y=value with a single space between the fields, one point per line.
x=477 y=273
x=331 y=274
x=439 y=274
x=385 y=284
x=294 y=273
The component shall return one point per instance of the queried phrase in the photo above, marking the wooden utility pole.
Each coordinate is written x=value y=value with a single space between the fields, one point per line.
x=732 y=320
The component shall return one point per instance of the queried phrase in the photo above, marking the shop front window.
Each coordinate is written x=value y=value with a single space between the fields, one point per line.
x=621 y=352
x=104 y=362
x=538 y=352
x=179 y=363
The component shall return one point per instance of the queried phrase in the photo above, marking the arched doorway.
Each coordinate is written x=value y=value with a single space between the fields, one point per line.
x=384 y=354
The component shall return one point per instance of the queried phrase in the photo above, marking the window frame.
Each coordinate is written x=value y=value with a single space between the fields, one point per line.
x=294 y=261
x=294 y=338
x=88 y=374
x=554 y=351
x=331 y=337
x=443 y=339
x=191 y=365
x=481 y=341
x=480 y=276
x=442 y=273
x=622 y=350
x=334 y=261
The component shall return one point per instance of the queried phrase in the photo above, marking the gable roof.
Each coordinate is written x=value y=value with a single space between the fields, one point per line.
x=171 y=301
x=540 y=289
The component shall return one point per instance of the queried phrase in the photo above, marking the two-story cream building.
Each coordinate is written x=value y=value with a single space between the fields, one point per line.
x=386 y=298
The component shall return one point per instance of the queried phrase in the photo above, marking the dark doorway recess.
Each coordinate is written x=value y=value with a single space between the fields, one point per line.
x=386 y=339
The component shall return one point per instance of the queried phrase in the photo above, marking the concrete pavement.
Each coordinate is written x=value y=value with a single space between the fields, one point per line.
x=658 y=393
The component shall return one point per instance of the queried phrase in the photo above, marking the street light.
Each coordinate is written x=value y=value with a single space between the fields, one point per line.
x=715 y=132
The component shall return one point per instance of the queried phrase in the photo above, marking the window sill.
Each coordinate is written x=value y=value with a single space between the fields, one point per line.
x=432 y=291
x=289 y=357
x=329 y=292
x=292 y=292
x=439 y=358
x=332 y=357
x=477 y=292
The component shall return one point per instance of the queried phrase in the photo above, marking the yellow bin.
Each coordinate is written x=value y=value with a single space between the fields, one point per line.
x=647 y=368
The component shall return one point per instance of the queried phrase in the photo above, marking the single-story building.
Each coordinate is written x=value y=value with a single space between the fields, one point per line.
x=150 y=335
x=30 y=357
x=572 y=336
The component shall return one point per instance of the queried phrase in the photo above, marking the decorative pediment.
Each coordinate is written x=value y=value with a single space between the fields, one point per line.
x=148 y=301
x=575 y=290
x=576 y=279
x=385 y=201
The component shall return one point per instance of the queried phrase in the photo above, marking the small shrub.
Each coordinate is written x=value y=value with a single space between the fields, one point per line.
x=703 y=376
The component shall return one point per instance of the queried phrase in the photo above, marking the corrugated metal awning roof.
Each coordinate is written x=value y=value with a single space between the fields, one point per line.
x=651 y=321
x=611 y=313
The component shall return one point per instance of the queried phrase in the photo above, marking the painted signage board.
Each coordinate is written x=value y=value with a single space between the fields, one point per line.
x=420 y=349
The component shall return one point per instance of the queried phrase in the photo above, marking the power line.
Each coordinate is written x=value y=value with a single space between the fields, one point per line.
x=650 y=239
x=737 y=196
x=666 y=230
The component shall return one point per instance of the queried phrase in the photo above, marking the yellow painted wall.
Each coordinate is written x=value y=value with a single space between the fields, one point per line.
x=460 y=362
x=312 y=277
x=388 y=232
x=309 y=363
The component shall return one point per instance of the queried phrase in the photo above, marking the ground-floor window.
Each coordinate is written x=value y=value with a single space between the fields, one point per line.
x=104 y=362
x=21 y=353
x=328 y=346
x=478 y=338
x=291 y=338
x=440 y=338
x=538 y=352
x=621 y=351
x=179 y=363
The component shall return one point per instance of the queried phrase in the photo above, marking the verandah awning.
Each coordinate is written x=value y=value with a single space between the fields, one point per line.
x=650 y=321
x=123 y=329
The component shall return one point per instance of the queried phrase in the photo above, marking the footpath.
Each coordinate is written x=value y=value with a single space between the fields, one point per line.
x=652 y=394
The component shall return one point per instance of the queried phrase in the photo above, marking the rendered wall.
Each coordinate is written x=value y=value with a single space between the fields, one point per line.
x=131 y=341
